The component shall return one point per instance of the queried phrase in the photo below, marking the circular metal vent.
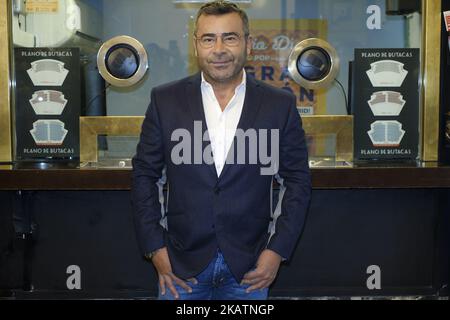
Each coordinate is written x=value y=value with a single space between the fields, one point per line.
x=313 y=63
x=122 y=61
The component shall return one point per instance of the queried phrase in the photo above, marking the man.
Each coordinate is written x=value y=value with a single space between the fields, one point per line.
x=217 y=236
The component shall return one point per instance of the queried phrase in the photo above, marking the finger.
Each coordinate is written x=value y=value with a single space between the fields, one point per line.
x=193 y=281
x=253 y=275
x=181 y=283
x=162 y=285
x=252 y=280
x=260 y=285
x=172 y=288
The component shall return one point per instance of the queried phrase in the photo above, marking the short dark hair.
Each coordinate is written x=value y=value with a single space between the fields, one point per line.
x=220 y=7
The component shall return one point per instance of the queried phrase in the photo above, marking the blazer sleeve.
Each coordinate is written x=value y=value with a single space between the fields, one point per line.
x=148 y=164
x=295 y=186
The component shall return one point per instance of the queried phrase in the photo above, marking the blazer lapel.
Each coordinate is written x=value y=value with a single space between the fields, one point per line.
x=252 y=103
x=194 y=97
x=195 y=102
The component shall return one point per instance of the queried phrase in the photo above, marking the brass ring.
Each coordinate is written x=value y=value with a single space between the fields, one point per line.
x=307 y=44
x=140 y=51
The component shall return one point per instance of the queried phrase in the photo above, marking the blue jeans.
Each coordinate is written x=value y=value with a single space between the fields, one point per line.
x=215 y=283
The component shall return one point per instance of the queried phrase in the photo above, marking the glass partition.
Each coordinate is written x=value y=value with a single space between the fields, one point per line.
x=165 y=29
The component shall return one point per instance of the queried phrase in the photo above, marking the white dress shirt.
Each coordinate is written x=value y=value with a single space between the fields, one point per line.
x=222 y=124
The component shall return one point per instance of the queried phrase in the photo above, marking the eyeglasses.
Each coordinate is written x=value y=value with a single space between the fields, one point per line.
x=208 y=40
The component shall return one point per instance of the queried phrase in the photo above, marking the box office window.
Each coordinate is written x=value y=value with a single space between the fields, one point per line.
x=165 y=29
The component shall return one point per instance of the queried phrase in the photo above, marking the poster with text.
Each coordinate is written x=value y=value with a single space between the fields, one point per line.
x=273 y=41
x=385 y=103
x=47 y=107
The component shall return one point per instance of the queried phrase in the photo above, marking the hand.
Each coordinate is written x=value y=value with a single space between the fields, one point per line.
x=266 y=270
x=162 y=264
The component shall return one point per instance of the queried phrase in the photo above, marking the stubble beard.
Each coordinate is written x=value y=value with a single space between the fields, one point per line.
x=218 y=77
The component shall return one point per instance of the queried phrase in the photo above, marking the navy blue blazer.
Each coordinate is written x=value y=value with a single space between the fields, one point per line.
x=232 y=212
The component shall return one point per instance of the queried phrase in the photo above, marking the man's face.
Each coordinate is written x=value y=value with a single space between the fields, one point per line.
x=221 y=62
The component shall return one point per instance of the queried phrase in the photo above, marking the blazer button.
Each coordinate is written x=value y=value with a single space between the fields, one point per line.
x=216 y=190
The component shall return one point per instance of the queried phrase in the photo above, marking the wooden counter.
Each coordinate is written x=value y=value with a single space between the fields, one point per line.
x=361 y=177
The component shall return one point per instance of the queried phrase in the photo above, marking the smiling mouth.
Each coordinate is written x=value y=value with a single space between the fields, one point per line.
x=220 y=63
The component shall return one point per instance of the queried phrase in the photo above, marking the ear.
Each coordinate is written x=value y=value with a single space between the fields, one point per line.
x=194 y=43
x=249 y=44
